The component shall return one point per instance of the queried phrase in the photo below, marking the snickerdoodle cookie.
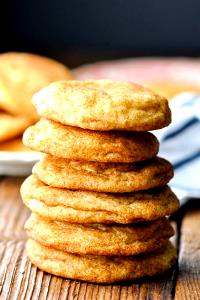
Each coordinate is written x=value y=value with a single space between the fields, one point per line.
x=79 y=144
x=23 y=74
x=99 y=239
x=11 y=126
x=90 y=207
x=103 y=105
x=103 y=177
x=100 y=269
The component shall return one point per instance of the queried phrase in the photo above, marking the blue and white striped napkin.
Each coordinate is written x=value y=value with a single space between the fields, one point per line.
x=180 y=144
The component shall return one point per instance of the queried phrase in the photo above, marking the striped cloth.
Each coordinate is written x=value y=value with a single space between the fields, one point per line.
x=180 y=144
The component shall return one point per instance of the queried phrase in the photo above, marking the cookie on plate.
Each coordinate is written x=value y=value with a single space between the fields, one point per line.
x=23 y=74
x=14 y=145
x=11 y=126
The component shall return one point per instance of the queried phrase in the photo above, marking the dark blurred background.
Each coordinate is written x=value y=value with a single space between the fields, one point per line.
x=77 y=32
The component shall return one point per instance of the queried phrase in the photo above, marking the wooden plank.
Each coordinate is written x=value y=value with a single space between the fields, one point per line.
x=21 y=280
x=188 y=283
x=13 y=213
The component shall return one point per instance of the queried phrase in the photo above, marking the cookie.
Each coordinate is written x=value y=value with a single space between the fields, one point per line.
x=103 y=105
x=100 y=269
x=11 y=126
x=79 y=144
x=23 y=74
x=90 y=207
x=103 y=177
x=14 y=145
x=98 y=239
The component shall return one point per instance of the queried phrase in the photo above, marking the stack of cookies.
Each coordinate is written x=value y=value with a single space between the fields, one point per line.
x=99 y=197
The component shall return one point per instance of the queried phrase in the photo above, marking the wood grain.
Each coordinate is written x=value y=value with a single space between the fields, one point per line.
x=188 y=283
x=21 y=280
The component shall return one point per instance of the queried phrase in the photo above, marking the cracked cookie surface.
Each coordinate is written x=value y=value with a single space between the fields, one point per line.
x=79 y=144
x=100 y=269
x=103 y=105
x=103 y=177
x=92 y=207
x=99 y=239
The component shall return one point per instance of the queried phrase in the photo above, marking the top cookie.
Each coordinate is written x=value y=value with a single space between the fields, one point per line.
x=103 y=105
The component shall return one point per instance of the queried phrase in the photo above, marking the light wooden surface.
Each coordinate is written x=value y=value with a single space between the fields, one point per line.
x=21 y=280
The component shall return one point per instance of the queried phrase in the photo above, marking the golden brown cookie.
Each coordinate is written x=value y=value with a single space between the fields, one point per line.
x=103 y=177
x=100 y=269
x=103 y=105
x=90 y=207
x=23 y=74
x=79 y=144
x=11 y=126
x=98 y=239
x=14 y=145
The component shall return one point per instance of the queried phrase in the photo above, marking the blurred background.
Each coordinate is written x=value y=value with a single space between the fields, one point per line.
x=77 y=32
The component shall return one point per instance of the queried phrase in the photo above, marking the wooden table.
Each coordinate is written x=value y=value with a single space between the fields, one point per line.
x=21 y=280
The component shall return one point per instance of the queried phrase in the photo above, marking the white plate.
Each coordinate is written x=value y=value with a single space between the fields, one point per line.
x=17 y=163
